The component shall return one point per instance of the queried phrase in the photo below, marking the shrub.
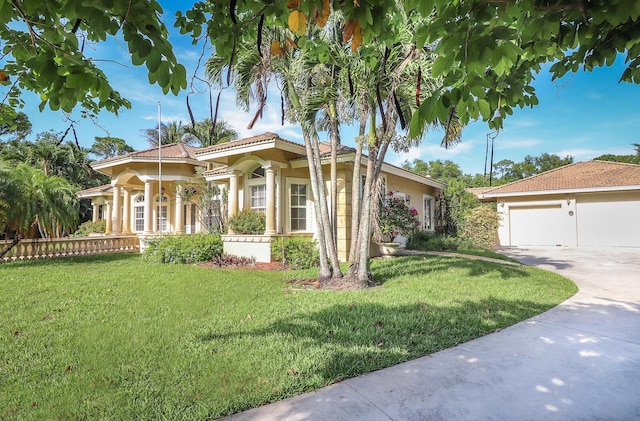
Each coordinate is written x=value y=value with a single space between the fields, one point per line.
x=90 y=227
x=191 y=248
x=297 y=252
x=396 y=218
x=228 y=260
x=248 y=222
x=479 y=229
x=427 y=241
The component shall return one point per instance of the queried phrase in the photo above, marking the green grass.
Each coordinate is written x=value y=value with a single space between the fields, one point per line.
x=118 y=338
x=486 y=253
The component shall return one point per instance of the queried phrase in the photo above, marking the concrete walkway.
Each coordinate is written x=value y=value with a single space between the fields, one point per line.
x=578 y=361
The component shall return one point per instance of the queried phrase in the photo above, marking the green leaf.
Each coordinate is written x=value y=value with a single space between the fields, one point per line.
x=153 y=61
x=484 y=108
x=441 y=65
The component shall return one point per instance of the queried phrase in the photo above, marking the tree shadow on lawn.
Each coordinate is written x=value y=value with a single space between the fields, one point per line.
x=346 y=340
x=387 y=269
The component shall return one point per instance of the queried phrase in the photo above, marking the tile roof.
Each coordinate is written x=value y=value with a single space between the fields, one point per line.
x=580 y=175
x=325 y=149
x=105 y=188
x=265 y=137
x=177 y=151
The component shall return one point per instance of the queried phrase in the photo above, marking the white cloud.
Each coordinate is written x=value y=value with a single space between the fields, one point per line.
x=506 y=142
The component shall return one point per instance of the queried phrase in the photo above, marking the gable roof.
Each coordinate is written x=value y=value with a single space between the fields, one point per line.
x=177 y=152
x=577 y=177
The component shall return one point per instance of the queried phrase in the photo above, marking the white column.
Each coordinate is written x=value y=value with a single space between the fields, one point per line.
x=148 y=207
x=96 y=211
x=126 y=212
x=116 y=212
x=107 y=217
x=179 y=221
x=270 y=174
x=233 y=194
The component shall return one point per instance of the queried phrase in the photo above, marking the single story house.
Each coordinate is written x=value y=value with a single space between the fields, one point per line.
x=585 y=204
x=265 y=173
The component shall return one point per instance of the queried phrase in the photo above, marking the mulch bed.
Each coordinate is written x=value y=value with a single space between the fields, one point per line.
x=335 y=285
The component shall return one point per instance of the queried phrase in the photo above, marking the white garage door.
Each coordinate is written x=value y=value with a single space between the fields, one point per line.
x=537 y=226
x=608 y=219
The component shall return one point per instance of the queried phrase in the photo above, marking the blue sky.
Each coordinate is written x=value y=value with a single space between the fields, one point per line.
x=584 y=115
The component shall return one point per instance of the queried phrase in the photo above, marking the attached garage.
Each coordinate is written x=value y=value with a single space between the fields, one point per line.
x=537 y=225
x=586 y=204
x=608 y=219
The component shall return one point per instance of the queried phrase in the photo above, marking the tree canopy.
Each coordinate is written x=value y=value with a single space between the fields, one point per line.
x=45 y=49
x=488 y=52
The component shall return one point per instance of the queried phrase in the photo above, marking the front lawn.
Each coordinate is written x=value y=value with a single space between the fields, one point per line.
x=117 y=338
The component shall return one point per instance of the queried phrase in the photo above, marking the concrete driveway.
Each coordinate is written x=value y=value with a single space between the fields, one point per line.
x=578 y=361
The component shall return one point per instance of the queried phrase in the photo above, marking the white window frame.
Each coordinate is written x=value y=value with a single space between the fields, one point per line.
x=156 y=226
x=430 y=211
x=253 y=182
x=310 y=220
x=138 y=202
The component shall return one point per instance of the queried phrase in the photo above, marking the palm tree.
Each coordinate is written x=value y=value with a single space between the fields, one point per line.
x=385 y=76
x=40 y=205
x=173 y=132
x=204 y=134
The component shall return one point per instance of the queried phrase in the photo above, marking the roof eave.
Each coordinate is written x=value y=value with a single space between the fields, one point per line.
x=489 y=195
x=275 y=143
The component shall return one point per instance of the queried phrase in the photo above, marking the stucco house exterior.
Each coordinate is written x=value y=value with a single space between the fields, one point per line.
x=585 y=204
x=265 y=173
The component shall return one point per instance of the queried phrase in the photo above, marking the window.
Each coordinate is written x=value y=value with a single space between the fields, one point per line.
x=427 y=213
x=138 y=213
x=257 y=173
x=162 y=214
x=189 y=217
x=298 y=207
x=258 y=199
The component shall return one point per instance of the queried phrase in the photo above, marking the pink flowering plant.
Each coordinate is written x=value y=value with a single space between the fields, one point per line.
x=396 y=218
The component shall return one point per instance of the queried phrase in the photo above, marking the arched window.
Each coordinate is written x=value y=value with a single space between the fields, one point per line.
x=257 y=190
x=162 y=213
x=138 y=213
x=257 y=173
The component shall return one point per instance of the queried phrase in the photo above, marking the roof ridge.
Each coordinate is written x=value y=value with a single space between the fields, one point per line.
x=531 y=177
x=614 y=162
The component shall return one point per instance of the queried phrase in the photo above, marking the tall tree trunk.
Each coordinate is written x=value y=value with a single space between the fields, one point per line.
x=326 y=242
x=335 y=141
x=355 y=192
x=330 y=243
x=325 y=271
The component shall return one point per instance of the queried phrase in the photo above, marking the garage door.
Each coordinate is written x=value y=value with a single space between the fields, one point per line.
x=537 y=226
x=608 y=219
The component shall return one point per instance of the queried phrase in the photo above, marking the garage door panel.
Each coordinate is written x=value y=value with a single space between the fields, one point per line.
x=538 y=226
x=608 y=219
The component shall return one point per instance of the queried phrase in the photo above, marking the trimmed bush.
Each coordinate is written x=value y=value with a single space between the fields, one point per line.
x=90 y=227
x=480 y=228
x=427 y=241
x=297 y=252
x=248 y=222
x=192 y=248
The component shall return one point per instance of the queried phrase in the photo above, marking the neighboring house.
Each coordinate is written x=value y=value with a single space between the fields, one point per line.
x=585 y=204
x=265 y=173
